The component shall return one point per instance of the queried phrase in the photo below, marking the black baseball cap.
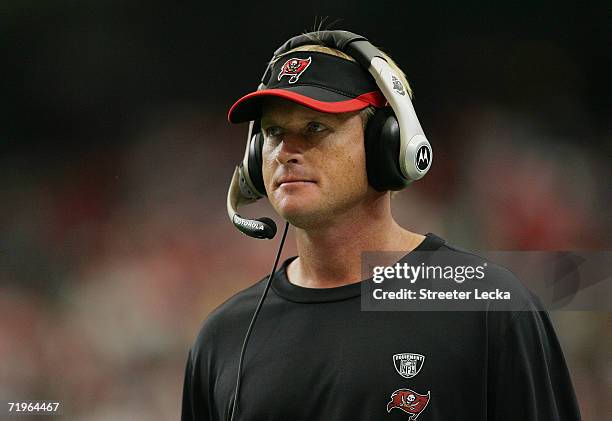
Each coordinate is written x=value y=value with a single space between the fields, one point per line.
x=316 y=80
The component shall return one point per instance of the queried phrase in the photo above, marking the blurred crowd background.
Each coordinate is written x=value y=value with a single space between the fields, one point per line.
x=115 y=156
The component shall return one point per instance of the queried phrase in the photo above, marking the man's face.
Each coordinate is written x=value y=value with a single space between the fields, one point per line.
x=325 y=152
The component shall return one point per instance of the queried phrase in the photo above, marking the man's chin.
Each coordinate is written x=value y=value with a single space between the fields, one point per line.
x=293 y=203
x=300 y=215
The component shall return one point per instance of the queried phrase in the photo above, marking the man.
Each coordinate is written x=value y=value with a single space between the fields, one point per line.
x=314 y=354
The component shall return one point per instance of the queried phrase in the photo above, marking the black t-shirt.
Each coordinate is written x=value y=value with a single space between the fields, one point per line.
x=315 y=355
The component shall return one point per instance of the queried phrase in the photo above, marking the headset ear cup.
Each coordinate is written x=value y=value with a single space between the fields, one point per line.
x=255 y=163
x=382 y=148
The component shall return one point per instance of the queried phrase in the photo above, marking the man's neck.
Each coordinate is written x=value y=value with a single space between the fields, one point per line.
x=330 y=256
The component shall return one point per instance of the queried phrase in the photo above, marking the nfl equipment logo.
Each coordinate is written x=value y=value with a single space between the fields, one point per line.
x=407 y=364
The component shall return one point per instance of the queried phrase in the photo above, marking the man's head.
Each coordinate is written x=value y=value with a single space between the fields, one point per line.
x=315 y=134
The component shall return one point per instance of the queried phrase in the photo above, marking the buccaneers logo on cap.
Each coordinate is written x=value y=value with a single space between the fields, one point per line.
x=294 y=67
x=408 y=401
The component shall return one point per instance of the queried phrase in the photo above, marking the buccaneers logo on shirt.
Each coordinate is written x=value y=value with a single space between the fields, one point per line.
x=294 y=67
x=408 y=401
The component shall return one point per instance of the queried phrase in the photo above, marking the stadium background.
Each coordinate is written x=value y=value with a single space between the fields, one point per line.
x=116 y=156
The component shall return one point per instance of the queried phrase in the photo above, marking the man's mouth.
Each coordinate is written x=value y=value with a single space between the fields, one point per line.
x=286 y=181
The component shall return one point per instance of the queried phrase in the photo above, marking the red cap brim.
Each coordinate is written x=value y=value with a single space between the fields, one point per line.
x=249 y=106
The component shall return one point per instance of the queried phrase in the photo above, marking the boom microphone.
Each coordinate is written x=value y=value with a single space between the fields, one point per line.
x=263 y=228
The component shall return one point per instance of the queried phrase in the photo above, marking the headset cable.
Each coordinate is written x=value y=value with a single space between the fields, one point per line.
x=250 y=329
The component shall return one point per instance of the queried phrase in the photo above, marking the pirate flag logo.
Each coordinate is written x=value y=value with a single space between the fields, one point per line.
x=294 y=67
x=407 y=364
x=408 y=401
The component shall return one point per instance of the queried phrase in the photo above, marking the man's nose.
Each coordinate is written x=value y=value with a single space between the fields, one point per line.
x=292 y=148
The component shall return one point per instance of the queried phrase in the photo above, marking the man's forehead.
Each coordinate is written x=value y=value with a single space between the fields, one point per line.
x=273 y=108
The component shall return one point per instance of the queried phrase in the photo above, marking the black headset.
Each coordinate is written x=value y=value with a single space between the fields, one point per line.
x=397 y=151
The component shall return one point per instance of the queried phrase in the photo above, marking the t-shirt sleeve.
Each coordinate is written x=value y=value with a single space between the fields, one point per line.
x=194 y=406
x=529 y=379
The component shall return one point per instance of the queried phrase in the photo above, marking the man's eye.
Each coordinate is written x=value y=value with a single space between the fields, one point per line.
x=315 y=127
x=273 y=131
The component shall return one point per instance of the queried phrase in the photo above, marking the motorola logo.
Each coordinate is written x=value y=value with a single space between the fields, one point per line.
x=423 y=158
x=250 y=224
